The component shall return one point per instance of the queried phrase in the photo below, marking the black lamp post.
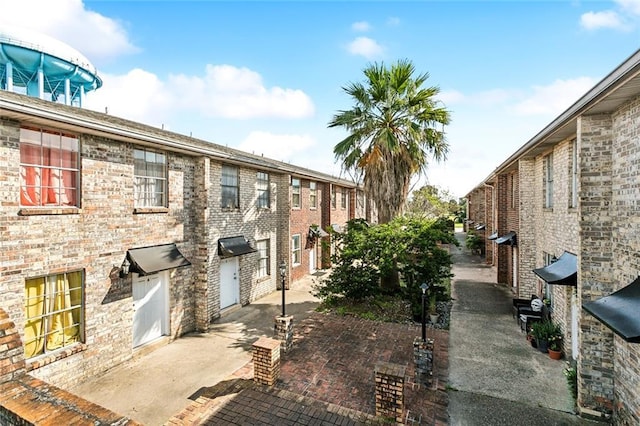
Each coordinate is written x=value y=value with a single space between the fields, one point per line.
x=424 y=288
x=283 y=274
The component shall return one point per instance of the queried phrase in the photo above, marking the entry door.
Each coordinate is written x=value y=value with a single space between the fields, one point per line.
x=312 y=260
x=229 y=283
x=151 y=308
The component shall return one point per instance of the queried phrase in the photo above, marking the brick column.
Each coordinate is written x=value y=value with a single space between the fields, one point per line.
x=527 y=242
x=200 y=259
x=423 y=360
x=283 y=331
x=595 y=268
x=266 y=361
x=390 y=391
x=12 y=362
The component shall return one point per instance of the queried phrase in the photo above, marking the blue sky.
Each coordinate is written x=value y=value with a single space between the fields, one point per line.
x=266 y=77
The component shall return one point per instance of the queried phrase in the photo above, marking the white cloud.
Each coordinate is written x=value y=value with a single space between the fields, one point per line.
x=231 y=92
x=365 y=46
x=393 y=21
x=361 y=26
x=281 y=147
x=138 y=95
x=95 y=36
x=554 y=98
x=605 y=19
x=630 y=6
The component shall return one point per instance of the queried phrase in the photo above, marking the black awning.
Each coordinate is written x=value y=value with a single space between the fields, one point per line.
x=493 y=236
x=619 y=311
x=234 y=246
x=317 y=231
x=509 y=238
x=148 y=260
x=563 y=271
x=480 y=227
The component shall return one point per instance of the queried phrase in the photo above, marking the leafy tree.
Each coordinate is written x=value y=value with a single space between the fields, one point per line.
x=365 y=254
x=432 y=202
x=394 y=127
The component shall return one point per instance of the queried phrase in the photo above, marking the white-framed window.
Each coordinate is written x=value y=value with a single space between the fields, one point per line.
x=313 y=195
x=229 y=183
x=573 y=197
x=296 y=251
x=263 y=258
x=343 y=198
x=150 y=178
x=295 y=193
x=264 y=195
x=54 y=312
x=548 y=181
x=49 y=168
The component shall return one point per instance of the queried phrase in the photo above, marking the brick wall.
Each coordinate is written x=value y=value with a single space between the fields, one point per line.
x=300 y=220
x=596 y=272
x=527 y=238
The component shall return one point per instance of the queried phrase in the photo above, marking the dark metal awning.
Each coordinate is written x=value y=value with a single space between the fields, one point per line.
x=317 y=231
x=619 y=311
x=148 y=260
x=493 y=236
x=509 y=238
x=480 y=227
x=563 y=271
x=234 y=246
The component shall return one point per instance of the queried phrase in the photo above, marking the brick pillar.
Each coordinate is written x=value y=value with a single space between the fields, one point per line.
x=283 y=331
x=530 y=206
x=423 y=360
x=390 y=391
x=12 y=362
x=266 y=361
x=200 y=259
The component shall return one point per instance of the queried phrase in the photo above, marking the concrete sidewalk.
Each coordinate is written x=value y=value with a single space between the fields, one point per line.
x=495 y=374
x=153 y=387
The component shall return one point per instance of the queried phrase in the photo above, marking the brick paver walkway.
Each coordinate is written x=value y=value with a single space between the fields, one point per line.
x=328 y=379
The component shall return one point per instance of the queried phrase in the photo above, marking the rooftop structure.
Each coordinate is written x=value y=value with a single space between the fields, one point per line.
x=40 y=66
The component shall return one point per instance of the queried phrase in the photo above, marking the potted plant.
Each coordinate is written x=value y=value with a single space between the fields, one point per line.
x=433 y=309
x=555 y=346
x=543 y=331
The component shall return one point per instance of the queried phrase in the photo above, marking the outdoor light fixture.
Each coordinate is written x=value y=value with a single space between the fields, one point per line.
x=124 y=268
x=424 y=288
x=554 y=259
x=283 y=274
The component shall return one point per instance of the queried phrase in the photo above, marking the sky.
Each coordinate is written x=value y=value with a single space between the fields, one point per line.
x=267 y=77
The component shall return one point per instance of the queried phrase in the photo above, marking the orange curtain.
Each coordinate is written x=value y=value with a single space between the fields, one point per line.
x=43 y=181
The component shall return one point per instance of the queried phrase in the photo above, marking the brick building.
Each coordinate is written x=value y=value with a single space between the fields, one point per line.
x=115 y=235
x=570 y=194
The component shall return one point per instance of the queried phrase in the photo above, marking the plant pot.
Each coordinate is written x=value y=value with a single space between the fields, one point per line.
x=433 y=318
x=543 y=345
x=555 y=354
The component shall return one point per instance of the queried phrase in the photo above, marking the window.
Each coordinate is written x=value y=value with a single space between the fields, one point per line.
x=264 y=198
x=573 y=201
x=295 y=250
x=313 y=195
x=263 y=258
x=54 y=309
x=548 y=181
x=229 y=187
x=333 y=196
x=49 y=168
x=150 y=178
x=295 y=192
x=343 y=198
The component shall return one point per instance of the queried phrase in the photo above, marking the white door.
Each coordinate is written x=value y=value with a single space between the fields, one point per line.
x=229 y=283
x=575 y=311
x=312 y=260
x=150 y=308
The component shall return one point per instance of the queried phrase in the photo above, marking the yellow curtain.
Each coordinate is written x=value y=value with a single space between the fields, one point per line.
x=62 y=329
x=34 y=310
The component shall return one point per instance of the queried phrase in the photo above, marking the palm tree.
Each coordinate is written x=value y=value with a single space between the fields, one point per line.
x=394 y=127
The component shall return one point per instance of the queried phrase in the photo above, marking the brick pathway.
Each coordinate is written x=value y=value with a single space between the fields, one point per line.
x=334 y=357
x=327 y=379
